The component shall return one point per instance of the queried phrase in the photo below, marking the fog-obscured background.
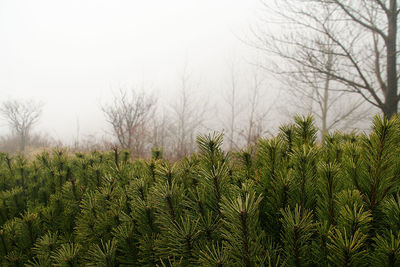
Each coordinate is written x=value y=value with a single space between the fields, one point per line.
x=71 y=54
x=199 y=61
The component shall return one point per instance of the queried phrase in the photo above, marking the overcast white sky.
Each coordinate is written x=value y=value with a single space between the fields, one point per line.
x=71 y=53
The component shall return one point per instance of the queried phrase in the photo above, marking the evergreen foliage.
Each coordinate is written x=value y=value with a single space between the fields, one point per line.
x=287 y=201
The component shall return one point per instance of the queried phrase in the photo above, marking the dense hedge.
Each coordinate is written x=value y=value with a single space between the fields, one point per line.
x=289 y=201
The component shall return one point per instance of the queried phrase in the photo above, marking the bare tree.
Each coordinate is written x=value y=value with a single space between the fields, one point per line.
x=232 y=102
x=233 y=109
x=128 y=115
x=244 y=112
x=21 y=116
x=159 y=126
x=319 y=94
x=254 y=122
x=363 y=38
x=188 y=117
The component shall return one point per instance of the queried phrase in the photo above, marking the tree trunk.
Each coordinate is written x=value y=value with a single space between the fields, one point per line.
x=391 y=98
x=324 y=117
x=325 y=100
x=22 y=142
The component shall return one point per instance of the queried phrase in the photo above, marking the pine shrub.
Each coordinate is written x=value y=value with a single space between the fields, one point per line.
x=290 y=200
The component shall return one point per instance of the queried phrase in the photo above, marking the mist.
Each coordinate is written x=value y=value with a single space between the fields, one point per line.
x=72 y=54
x=200 y=61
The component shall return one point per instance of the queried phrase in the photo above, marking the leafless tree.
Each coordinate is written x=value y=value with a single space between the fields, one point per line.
x=244 y=114
x=159 y=130
x=232 y=109
x=233 y=105
x=128 y=115
x=257 y=112
x=188 y=116
x=363 y=39
x=319 y=94
x=21 y=116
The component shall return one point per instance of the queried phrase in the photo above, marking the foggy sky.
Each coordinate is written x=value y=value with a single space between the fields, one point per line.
x=70 y=54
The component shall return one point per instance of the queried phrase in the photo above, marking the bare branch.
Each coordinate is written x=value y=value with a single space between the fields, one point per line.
x=128 y=114
x=21 y=116
x=350 y=13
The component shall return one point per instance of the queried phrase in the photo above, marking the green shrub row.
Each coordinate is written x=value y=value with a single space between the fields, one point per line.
x=289 y=201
